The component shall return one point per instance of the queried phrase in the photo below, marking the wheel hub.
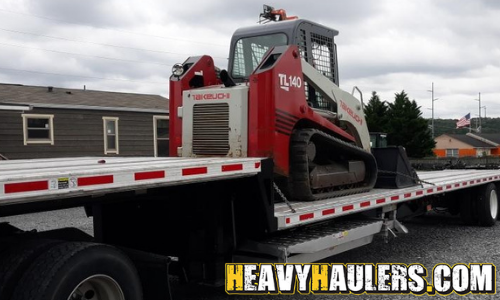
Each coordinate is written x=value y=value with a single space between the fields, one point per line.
x=97 y=287
x=493 y=204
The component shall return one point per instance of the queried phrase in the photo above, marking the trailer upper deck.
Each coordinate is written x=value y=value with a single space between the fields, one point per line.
x=28 y=181
x=24 y=181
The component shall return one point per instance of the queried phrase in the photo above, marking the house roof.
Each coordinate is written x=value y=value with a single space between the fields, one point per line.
x=491 y=138
x=55 y=97
x=470 y=141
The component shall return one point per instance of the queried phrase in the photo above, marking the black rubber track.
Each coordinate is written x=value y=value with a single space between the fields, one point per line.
x=299 y=182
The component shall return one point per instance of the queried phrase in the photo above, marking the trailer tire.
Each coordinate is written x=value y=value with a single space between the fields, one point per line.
x=16 y=257
x=488 y=206
x=468 y=211
x=88 y=270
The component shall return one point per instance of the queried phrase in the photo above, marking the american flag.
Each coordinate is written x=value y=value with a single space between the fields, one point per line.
x=464 y=121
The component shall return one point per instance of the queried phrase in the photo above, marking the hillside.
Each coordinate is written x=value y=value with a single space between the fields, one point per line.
x=489 y=125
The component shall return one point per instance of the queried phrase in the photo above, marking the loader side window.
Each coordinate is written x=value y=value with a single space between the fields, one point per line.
x=249 y=52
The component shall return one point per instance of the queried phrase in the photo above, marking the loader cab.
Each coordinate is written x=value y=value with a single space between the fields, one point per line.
x=315 y=41
x=378 y=139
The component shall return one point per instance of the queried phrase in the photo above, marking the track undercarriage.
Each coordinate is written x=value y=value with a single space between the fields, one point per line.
x=322 y=166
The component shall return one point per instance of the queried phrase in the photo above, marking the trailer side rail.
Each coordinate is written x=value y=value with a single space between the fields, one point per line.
x=26 y=181
x=444 y=181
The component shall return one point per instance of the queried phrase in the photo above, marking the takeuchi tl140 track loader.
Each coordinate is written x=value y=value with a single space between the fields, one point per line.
x=280 y=98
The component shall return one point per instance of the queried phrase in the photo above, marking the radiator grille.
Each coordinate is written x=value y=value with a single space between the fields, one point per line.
x=211 y=129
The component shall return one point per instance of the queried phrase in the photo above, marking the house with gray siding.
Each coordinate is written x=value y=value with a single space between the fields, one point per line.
x=47 y=122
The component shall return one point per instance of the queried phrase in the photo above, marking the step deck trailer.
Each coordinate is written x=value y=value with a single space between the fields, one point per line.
x=204 y=212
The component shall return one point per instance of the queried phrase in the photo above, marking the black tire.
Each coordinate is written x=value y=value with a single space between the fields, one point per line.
x=468 y=209
x=487 y=205
x=16 y=258
x=58 y=272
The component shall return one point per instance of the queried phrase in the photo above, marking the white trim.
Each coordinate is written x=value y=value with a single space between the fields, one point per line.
x=105 y=135
x=89 y=107
x=37 y=116
x=15 y=107
x=155 y=142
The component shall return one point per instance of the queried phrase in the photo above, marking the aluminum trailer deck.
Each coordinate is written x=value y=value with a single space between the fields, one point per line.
x=27 y=181
x=307 y=233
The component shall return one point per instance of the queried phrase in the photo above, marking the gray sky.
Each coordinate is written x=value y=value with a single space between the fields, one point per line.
x=384 y=45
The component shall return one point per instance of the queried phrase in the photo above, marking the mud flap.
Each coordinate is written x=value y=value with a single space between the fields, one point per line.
x=394 y=168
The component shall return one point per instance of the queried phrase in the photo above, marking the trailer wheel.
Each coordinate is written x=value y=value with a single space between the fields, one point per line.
x=488 y=205
x=85 y=271
x=16 y=258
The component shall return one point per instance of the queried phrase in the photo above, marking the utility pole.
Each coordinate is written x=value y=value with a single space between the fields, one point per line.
x=432 y=99
x=478 y=128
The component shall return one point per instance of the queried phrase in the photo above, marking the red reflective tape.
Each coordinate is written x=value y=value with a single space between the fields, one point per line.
x=394 y=198
x=26 y=186
x=478 y=180
x=306 y=216
x=287 y=220
x=95 y=180
x=149 y=175
x=440 y=188
x=464 y=183
x=491 y=178
x=484 y=179
x=348 y=207
x=448 y=187
x=365 y=204
x=407 y=195
x=327 y=212
x=457 y=184
x=194 y=171
x=380 y=201
x=229 y=168
x=257 y=165
x=419 y=193
x=471 y=182
x=430 y=191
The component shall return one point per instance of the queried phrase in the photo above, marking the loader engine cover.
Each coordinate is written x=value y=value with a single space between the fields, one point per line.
x=214 y=122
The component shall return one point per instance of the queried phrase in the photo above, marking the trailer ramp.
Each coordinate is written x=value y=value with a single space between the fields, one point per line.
x=310 y=243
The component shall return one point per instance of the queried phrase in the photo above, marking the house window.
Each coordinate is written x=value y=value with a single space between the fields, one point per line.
x=451 y=152
x=110 y=135
x=38 y=129
x=161 y=140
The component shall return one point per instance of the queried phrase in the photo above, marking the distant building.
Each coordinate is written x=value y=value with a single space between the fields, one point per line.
x=45 y=122
x=470 y=144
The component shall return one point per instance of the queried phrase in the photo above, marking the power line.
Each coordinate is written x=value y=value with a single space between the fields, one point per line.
x=102 y=27
x=81 y=76
x=88 y=55
x=95 y=43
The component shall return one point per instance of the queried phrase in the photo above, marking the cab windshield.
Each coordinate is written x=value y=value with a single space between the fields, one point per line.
x=249 y=51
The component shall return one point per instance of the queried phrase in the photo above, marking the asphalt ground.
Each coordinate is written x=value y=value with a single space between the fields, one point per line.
x=433 y=239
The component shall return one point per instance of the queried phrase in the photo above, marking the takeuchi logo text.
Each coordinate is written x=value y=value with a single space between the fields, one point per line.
x=212 y=96
x=351 y=113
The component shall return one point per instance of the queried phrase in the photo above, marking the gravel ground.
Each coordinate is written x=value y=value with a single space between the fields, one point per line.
x=432 y=239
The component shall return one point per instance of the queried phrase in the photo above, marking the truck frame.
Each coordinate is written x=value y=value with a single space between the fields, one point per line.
x=190 y=216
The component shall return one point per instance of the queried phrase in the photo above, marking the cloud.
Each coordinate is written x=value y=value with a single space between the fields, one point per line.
x=113 y=13
x=384 y=46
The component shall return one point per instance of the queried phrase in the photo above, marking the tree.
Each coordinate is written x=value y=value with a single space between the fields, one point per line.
x=406 y=127
x=375 y=113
